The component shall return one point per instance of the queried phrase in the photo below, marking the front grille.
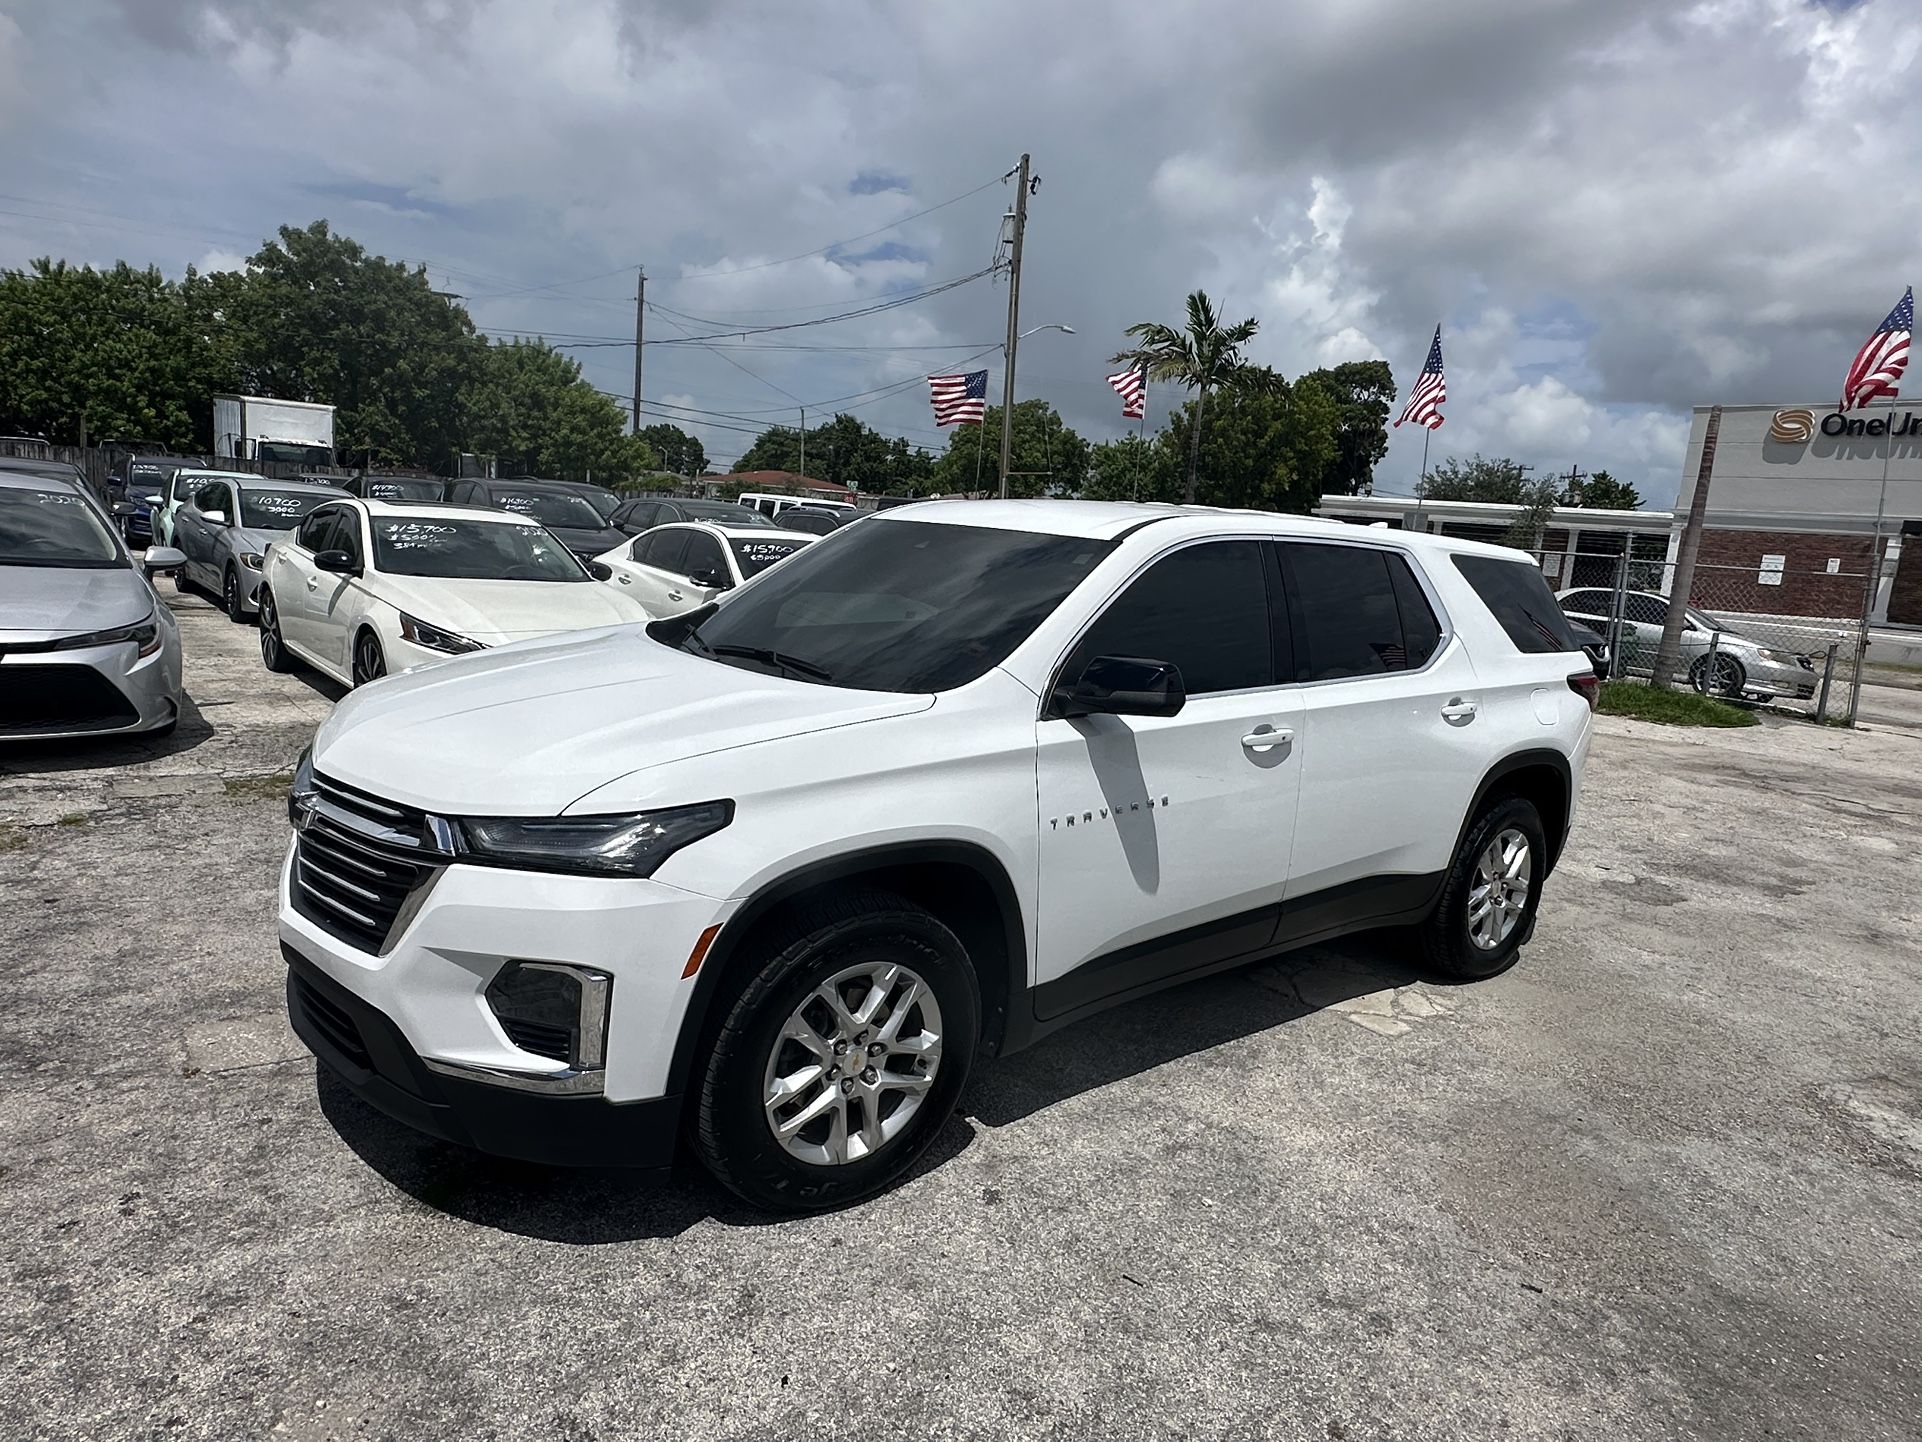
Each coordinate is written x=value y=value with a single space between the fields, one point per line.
x=61 y=698
x=553 y=1042
x=358 y=862
x=330 y=1021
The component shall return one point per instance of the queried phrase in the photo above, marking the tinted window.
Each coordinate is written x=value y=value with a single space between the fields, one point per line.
x=754 y=556
x=1420 y=631
x=1518 y=597
x=486 y=550
x=1586 y=603
x=817 y=523
x=720 y=511
x=316 y=531
x=637 y=515
x=663 y=550
x=1349 y=613
x=346 y=535
x=275 y=510
x=550 y=508
x=1647 y=610
x=212 y=497
x=1203 y=609
x=704 y=555
x=400 y=488
x=905 y=605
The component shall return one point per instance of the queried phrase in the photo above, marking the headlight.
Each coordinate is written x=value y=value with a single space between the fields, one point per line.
x=146 y=634
x=252 y=562
x=629 y=845
x=412 y=628
x=300 y=796
x=1780 y=658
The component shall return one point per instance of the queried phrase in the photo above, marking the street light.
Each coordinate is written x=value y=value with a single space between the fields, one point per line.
x=1007 y=410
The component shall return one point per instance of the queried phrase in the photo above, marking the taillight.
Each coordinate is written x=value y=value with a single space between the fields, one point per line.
x=1588 y=686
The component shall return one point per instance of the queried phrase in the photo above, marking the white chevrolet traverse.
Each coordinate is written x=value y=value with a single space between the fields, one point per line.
x=768 y=876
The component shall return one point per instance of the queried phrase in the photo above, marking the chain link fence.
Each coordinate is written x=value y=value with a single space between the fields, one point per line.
x=1764 y=635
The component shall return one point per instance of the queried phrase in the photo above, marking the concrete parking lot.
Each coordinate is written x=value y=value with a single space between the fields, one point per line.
x=1662 y=1180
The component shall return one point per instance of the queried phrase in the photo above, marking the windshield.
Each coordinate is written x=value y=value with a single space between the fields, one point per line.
x=471 y=550
x=550 y=508
x=724 y=513
x=52 y=528
x=275 y=510
x=291 y=453
x=905 y=606
x=401 y=488
x=605 y=503
x=754 y=557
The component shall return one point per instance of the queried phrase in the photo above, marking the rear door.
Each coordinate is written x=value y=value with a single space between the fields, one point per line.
x=1165 y=840
x=294 y=579
x=1391 y=741
x=652 y=573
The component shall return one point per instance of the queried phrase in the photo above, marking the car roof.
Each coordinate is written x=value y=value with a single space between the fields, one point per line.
x=316 y=488
x=732 y=533
x=442 y=510
x=208 y=473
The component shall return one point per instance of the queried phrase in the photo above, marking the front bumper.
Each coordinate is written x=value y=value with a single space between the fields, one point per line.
x=99 y=691
x=249 y=586
x=361 y=1046
x=421 y=1002
x=1772 y=678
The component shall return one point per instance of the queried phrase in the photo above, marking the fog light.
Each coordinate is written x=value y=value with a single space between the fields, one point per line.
x=554 y=1010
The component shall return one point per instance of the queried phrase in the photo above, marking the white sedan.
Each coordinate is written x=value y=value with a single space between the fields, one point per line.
x=676 y=568
x=363 y=588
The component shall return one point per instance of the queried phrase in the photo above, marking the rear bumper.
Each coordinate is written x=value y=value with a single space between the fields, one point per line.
x=361 y=1046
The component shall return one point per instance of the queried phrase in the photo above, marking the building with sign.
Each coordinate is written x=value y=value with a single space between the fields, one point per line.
x=1793 y=493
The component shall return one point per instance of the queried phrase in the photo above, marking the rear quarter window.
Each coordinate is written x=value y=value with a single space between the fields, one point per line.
x=1519 y=599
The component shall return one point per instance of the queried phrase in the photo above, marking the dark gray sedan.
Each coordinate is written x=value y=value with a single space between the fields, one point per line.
x=86 y=647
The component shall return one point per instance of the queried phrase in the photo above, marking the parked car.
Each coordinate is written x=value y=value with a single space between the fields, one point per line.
x=604 y=501
x=771 y=874
x=773 y=506
x=1743 y=666
x=643 y=513
x=675 y=568
x=179 y=487
x=136 y=488
x=551 y=503
x=1594 y=644
x=86 y=647
x=225 y=527
x=396 y=488
x=816 y=520
x=365 y=588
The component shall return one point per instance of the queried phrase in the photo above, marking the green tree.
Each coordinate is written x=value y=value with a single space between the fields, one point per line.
x=844 y=450
x=1365 y=392
x=778 y=448
x=1602 y=491
x=1134 y=469
x=1482 y=478
x=1538 y=499
x=528 y=406
x=1266 y=447
x=102 y=353
x=1054 y=457
x=1205 y=357
x=319 y=319
x=680 y=452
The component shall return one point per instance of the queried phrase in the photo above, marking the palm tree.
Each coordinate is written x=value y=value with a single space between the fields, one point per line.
x=1205 y=357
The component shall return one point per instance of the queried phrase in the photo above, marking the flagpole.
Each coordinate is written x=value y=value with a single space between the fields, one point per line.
x=980 y=431
x=1427 y=434
x=1874 y=581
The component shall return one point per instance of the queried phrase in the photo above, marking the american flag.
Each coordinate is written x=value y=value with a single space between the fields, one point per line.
x=959 y=399
x=1132 y=387
x=1879 y=364
x=1424 y=402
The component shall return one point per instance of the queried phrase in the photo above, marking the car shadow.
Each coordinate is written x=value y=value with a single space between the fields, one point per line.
x=28 y=758
x=594 y=1207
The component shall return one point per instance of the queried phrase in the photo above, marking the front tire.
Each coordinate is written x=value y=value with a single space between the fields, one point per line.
x=1492 y=891
x=273 y=649
x=230 y=597
x=369 y=663
x=1730 y=678
x=842 y=1056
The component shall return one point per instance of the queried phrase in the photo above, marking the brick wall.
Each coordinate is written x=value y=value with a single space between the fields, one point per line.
x=1806 y=589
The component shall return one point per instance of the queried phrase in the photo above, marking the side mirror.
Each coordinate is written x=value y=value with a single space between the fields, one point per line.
x=160 y=560
x=711 y=580
x=214 y=518
x=339 y=563
x=1122 y=686
x=600 y=570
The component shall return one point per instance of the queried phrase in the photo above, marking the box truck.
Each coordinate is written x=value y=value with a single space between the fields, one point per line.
x=288 y=433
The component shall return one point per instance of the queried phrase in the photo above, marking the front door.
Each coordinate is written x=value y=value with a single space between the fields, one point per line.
x=1165 y=841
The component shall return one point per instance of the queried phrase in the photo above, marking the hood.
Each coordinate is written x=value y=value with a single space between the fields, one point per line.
x=43 y=600
x=254 y=540
x=529 y=729
x=496 y=612
x=583 y=541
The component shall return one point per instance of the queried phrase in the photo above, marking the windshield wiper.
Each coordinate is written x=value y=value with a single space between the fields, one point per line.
x=793 y=664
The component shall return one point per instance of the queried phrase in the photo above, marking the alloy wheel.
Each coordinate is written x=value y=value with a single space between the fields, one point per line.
x=852 y=1064
x=1499 y=893
x=230 y=595
x=369 y=664
x=269 y=629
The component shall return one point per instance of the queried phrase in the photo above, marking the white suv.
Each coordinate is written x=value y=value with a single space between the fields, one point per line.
x=769 y=875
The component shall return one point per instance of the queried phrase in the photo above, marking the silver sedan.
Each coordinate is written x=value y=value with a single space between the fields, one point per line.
x=86 y=647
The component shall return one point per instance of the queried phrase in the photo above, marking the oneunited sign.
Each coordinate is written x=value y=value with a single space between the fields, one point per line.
x=1796 y=426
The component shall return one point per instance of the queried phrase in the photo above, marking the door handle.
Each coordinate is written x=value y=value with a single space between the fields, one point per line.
x=313 y=583
x=627 y=580
x=1460 y=710
x=673 y=595
x=1266 y=738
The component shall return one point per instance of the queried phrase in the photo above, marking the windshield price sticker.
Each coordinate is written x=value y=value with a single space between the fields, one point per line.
x=415 y=535
x=766 y=550
x=278 y=503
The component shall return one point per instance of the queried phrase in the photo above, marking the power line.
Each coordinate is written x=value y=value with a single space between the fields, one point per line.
x=856 y=314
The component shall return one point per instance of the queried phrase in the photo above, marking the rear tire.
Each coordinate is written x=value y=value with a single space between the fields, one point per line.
x=905 y=986
x=1492 y=891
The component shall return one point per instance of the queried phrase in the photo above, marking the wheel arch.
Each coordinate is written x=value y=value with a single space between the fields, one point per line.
x=1540 y=776
x=961 y=883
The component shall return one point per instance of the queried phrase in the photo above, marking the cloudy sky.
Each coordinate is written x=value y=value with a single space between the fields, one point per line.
x=1615 y=208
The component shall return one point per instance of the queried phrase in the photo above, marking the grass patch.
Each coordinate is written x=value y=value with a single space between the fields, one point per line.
x=74 y=818
x=13 y=838
x=262 y=788
x=1670 y=708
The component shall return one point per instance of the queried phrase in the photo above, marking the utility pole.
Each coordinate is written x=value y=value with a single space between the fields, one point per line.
x=1668 y=657
x=1014 y=321
x=804 y=440
x=640 y=310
